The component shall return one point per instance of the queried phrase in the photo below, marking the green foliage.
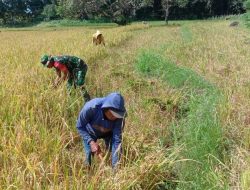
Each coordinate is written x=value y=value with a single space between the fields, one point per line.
x=39 y=141
x=67 y=22
x=120 y=12
x=120 y=20
x=179 y=3
x=153 y=64
x=72 y=9
x=247 y=5
x=167 y=4
x=49 y=11
x=245 y=18
x=199 y=131
x=186 y=34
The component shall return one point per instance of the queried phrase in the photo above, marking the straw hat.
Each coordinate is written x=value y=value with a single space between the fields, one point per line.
x=97 y=33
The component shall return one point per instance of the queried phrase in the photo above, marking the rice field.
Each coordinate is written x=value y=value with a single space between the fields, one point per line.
x=41 y=149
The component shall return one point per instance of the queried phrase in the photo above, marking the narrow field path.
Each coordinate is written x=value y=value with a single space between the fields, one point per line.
x=172 y=107
x=149 y=116
x=201 y=136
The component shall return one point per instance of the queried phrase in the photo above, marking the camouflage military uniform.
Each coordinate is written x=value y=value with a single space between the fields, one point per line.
x=76 y=66
x=77 y=69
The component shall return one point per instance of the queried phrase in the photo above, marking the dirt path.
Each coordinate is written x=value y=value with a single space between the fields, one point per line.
x=120 y=60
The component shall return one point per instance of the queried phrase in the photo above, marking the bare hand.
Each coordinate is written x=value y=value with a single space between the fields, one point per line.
x=95 y=148
x=56 y=83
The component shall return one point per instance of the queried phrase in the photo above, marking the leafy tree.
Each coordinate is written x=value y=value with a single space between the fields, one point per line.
x=119 y=11
x=49 y=11
x=247 y=5
x=2 y=9
x=236 y=6
x=36 y=7
x=167 y=4
x=72 y=9
x=14 y=10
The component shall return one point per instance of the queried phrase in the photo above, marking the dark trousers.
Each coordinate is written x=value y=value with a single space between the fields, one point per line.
x=87 y=148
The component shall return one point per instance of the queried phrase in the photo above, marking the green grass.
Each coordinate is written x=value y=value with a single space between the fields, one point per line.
x=153 y=64
x=178 y=123
x=243 y=18
x=246 y=18
x=65 y=23
x=186 y=34
x=199 y=130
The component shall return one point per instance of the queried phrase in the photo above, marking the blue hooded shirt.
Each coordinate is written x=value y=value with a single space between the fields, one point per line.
x=92 y=125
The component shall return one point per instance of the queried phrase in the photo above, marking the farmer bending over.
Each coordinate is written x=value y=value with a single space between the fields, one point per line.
x=102 y=118
x=98 y=38
x=68 y=67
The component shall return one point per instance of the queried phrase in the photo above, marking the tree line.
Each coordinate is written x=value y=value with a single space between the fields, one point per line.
x=118 y=11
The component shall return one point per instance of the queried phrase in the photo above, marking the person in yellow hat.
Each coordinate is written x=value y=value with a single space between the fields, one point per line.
x=98 y=38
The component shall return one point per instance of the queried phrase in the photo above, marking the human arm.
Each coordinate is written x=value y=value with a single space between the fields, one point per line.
x=84 y=118
x=62 y=73
x=58 y=78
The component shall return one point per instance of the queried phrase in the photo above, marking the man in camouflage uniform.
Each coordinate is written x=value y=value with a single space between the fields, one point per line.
x=68 y=67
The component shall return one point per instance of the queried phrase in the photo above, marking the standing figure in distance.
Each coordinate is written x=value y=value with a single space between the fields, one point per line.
x=98 y=38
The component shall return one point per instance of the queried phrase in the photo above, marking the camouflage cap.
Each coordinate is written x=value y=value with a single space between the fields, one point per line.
x=44 y=59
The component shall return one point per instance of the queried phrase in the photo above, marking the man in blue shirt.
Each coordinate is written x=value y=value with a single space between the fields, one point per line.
x=102 y=118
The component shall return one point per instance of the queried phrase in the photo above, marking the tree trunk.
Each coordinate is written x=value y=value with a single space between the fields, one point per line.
x=166 y=15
